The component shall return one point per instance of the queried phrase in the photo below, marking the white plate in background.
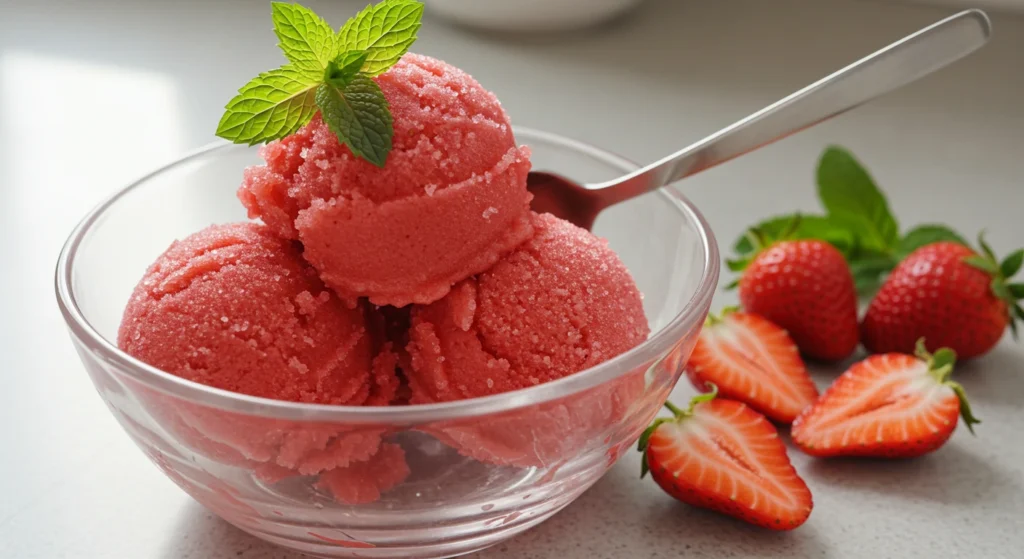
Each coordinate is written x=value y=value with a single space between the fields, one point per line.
x=529 y=15
x=1000 y=5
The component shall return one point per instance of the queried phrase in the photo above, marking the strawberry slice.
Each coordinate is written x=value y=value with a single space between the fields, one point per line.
x=722 y=455
x=890 y=405
x=754 y=361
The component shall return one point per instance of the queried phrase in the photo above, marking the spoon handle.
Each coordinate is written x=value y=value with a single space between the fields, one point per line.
x=896 y=65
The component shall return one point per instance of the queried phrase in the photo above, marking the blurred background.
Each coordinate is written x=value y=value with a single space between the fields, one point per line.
x=95 y=93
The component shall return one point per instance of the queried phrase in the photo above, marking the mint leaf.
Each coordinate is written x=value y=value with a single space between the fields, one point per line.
x=808 y=227
x=384 y=30
x=359 y=115
x=1017 y=290
x=306 y=39
x=853 y=200
x=923 y=235
x=271 y=106
x=868 y=272
x=342 y=69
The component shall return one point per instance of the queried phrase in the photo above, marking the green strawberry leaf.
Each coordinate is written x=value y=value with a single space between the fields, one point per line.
x=1000 y=289
x=384 y=31
x=359 y=115
x=965 y=407
x=985 y=248
x=854 y=201
x=944 y=357
x=306 y=39
x=1017 y=290
x=1012 y=263
x=806 y=227
x=344 y=68
x=982 y=264
x=271 y=106
x=1019 y=311
x=925 y=235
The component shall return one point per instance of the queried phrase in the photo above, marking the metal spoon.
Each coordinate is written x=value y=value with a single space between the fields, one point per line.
x=896 y=65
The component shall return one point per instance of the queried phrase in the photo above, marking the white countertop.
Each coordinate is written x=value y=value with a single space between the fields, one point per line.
x=94 y=93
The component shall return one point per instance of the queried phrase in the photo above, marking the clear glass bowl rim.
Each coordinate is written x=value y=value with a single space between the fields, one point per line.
x=656 y=345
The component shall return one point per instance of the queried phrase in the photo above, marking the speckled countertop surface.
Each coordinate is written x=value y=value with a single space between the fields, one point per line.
x=947 y=148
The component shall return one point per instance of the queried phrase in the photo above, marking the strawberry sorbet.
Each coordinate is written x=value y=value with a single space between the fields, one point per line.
x=450 y=201
x=561 y=303
x=235 y=307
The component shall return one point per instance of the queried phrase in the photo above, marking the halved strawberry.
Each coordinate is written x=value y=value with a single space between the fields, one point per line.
x=754 y=361
x=890 y=405
x=721 y=455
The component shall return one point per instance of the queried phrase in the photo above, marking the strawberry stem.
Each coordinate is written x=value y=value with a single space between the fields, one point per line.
x=676 y=411
x=713 y=319
x=678 y=414
x=699 y=398
x=940 y=365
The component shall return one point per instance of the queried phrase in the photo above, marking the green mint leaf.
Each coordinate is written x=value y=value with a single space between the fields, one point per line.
x=271 y=106
x=1011 y=265
x=927 y=234
x=853 y=200
x=359 y=115
x=737 y=265
x=808 y=227
x=983 y=264
x=385 y=31
x=306 y=39
x=344 y=68
x=869 y=271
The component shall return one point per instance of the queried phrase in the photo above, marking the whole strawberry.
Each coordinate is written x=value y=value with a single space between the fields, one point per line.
x=948 y=294
x=804 y=286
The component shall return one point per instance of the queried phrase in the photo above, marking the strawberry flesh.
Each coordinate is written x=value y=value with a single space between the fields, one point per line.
x=724 y=456
x=891 y=405
x=753 y=361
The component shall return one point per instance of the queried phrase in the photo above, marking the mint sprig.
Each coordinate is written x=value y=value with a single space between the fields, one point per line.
x=857 y=221
x=327 y=72
x=272 y=105
x=385 y=31
x=358 y=112
x=305 y=38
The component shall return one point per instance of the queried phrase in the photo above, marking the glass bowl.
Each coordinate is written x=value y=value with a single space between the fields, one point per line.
x=416 y=481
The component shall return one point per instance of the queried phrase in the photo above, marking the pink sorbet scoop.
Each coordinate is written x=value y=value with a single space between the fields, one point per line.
x=561 y=303
x=235 y=307
x=450 y=201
